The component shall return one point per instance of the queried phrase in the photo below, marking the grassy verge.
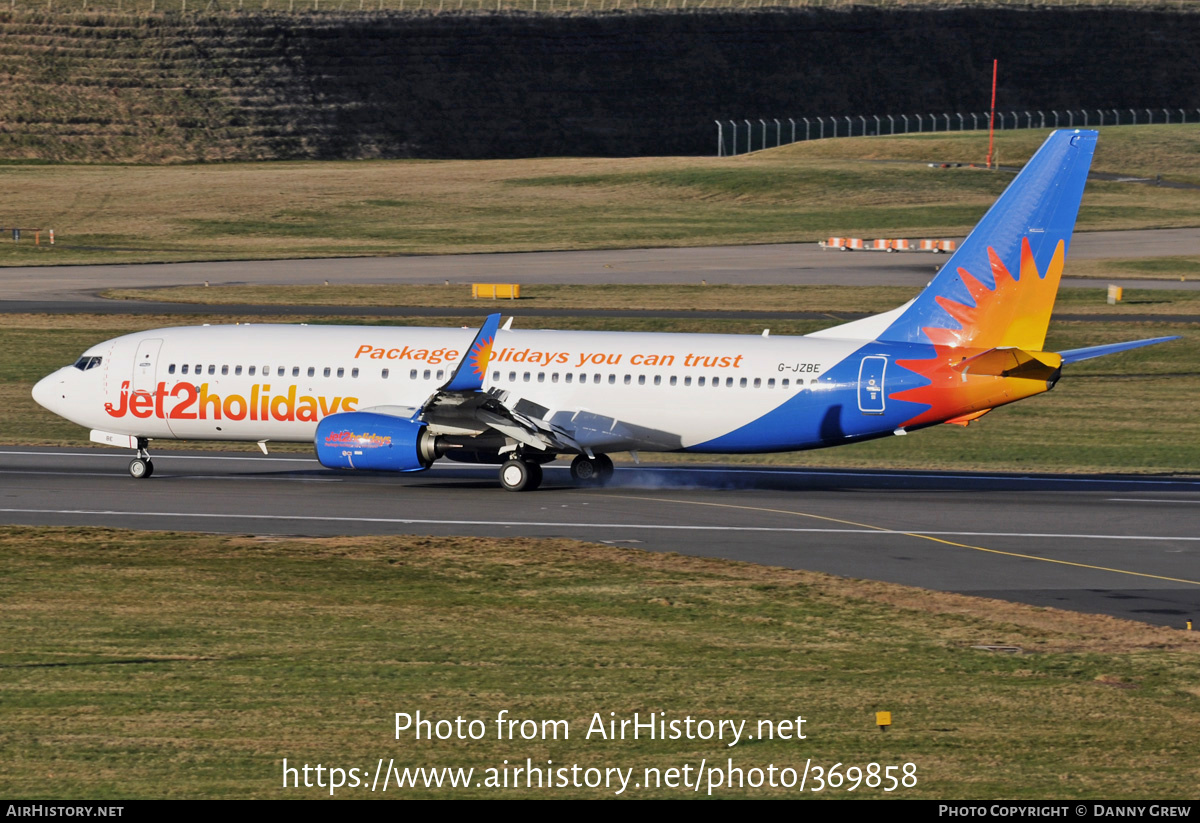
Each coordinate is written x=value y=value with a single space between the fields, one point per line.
x=1183 y=267
x=831 y=299
x=1127 y=413
x=116 y=214
x=183 y=665
x=1172 y=152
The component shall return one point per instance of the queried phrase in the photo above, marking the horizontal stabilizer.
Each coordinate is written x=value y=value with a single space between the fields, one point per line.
x=1076 y=355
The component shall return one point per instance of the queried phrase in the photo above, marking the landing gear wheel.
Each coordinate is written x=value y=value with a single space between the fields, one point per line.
x=591 y=471
x=584 y=470
x=140 y=468
x=520 y=476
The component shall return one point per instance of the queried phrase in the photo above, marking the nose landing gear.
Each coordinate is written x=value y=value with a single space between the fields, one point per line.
x=141 y=466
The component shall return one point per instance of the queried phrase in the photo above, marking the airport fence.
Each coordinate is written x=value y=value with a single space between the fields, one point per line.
x=755 y=134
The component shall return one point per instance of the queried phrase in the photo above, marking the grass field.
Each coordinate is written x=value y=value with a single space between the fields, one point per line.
x=803 y=192
x=1126 y=413
x=181 y=665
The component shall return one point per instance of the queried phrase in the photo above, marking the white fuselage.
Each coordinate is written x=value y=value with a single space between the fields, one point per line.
x=274 y=382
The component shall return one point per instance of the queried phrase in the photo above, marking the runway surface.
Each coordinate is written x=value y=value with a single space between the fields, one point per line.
x=792 y=263
x=1124 y=546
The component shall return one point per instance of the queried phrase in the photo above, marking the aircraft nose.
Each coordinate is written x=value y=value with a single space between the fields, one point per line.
x=48 y=392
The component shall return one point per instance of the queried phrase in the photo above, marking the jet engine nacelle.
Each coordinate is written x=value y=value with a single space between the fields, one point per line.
x=375 y=442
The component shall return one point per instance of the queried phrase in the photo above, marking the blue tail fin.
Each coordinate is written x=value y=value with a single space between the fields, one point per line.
x=998 y=289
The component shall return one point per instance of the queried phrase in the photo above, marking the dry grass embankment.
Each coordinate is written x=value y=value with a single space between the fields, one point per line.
x=180 y=665
x=801 y=193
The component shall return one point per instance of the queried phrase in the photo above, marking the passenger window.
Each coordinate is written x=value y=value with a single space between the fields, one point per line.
x=426 y=375
x=567 y=377
x=758 y=382
x=554 y=377
x=295 y=371
x=512 y=377
x=354 y=372
x=729 y=382
x=741 y=383
x=328 y=372
x=183 y=369
x=171 y=369
x=641 y=379
x=252 y=370
x=495 y=376
x=687 y=381
x=384 y=374
x=341 y=372
x=771 y=383
x=412 y=375
x=312 y=372
x=212 y=369
x=596 y=378
x=525 y=377
x=541 y=377
x=700 y=382
x=628 y=379
x=440 y=374
x=784 y=384
x=280 y=371
x=237 y=370
x=673 y=379
x=224 y=370
x=583 y=378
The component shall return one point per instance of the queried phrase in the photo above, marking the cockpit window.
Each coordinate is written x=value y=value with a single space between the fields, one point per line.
x=85 y=363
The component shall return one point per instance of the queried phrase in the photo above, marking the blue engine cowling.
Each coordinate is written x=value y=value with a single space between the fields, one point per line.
x=376 y=442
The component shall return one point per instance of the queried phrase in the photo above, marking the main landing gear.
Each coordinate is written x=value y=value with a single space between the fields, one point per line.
x=519 y=475
x=141 y=466
x=591 y=471
x=523 y=475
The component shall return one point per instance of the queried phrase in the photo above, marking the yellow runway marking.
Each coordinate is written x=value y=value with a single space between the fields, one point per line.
x=907 y=534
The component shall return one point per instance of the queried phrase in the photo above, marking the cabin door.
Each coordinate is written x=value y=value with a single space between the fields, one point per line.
x=871 y=397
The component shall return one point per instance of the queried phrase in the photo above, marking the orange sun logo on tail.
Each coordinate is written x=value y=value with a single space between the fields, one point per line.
x=479 y=356
x=1013 y=313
